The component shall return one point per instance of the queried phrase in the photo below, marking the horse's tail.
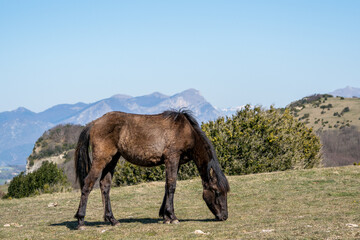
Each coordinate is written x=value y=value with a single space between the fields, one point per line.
x=82 y=158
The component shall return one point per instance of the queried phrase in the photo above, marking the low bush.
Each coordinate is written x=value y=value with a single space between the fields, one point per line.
x=129 y=174
x=326 y=106
x=345 y=110
x=47 y=179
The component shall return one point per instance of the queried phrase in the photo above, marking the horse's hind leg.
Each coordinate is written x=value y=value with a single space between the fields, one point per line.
x=105 y=184
x=85 y=191
x=98 y=164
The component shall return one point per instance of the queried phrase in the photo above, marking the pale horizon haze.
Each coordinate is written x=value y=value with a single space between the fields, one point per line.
x=233 y=52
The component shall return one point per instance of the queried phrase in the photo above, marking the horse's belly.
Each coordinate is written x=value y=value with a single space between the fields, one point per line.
x=150 y=162
x=143 y=156
x=140 y=147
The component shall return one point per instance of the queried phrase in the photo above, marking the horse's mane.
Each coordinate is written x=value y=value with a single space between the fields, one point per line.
x=222 y=182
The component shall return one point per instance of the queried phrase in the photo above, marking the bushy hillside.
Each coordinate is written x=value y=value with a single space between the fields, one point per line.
x=325 y=112
x=56 y=145
x=55 y=141
x=337 y=121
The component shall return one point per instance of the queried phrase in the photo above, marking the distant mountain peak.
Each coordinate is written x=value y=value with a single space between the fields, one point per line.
x=22 y=110
x=347 y=92
x=191 y=91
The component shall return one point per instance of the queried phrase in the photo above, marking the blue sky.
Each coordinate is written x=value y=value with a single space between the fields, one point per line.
x=234 y=52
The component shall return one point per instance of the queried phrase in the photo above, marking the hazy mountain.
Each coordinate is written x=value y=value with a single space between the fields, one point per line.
x=347 y=92
x=61 y=112
x=148 y=104
x=19 y=129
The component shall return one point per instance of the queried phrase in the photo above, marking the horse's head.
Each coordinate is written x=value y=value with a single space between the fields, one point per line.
x=215 y=196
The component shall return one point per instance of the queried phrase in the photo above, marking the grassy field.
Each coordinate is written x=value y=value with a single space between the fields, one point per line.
x=306 y=204
x=325 y=119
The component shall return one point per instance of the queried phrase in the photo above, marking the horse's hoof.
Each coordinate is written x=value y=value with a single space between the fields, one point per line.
x=175 y=221
x=81 y=228
x=167 y=222
x=117 y=223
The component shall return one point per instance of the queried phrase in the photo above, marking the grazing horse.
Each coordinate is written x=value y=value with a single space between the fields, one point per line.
x=171 y=138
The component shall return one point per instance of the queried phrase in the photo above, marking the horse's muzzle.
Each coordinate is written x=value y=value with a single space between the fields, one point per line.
x=221 y=217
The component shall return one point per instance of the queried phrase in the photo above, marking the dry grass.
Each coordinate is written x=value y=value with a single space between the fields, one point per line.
x=4 y=188
x=306 y=204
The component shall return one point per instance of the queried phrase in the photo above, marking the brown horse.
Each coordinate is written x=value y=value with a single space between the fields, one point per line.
x=171 y=138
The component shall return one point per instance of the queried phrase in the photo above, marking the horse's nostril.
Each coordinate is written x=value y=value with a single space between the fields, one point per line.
x=221 y=218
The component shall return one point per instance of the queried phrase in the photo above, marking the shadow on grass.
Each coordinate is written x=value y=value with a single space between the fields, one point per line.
x=72 y=225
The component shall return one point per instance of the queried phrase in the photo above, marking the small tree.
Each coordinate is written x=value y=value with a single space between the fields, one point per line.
x=345 y=110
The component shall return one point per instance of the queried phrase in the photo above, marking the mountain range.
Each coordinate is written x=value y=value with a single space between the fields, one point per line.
x=19 y=129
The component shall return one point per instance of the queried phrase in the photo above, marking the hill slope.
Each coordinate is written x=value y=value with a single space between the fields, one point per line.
x=323 y=112
x=316 y=203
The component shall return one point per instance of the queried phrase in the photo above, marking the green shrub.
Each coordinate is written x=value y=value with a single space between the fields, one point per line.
x=306 y=116
x=47 y=179
x=336 y=114
x=257 y=140
x=326 y=106
x=129 y=174
x=345 y=110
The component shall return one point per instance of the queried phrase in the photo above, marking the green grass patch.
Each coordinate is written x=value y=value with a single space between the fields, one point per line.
x=305 y=204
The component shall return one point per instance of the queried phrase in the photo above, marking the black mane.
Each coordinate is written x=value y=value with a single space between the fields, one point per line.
x=176 y=114
x=214 y=163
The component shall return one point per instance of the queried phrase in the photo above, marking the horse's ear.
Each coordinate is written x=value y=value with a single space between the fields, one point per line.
x=212 y=173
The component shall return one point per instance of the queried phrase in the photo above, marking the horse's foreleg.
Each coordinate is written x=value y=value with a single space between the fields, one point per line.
x=105 y=184
x=167 y=208
x=161 y=212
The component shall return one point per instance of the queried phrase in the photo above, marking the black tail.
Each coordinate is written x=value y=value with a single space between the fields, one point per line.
x=82 y=158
